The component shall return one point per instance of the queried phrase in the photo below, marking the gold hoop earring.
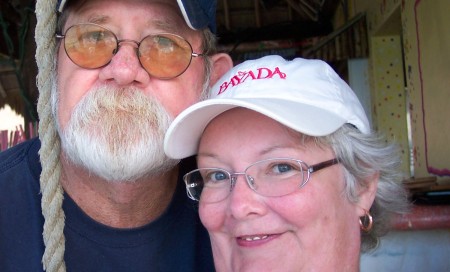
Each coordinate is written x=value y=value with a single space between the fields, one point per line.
x=366 y=223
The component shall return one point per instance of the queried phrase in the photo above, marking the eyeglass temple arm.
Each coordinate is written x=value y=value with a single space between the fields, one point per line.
x=198 y=54
x=319 y=166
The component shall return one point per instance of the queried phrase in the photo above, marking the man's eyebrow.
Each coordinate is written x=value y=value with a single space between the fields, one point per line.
x=166 y=25
x=98 y=19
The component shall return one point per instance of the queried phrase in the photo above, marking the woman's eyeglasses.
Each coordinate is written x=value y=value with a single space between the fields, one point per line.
x=163 y=55
x=271 y=177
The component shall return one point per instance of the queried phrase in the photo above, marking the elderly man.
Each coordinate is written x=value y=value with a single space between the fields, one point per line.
x=95 y=192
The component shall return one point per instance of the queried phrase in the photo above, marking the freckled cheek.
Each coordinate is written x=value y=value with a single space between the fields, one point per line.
x=64 y=107
x=65 y=112
x=212 y=216
x=183 y=92
x=175 y=105
x=298 y=210
x=73 y=83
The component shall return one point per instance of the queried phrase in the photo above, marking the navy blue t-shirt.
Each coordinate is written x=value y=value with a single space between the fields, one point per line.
x=176 y=241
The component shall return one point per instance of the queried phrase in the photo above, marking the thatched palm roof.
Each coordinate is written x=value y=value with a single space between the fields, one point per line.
x=9 y=88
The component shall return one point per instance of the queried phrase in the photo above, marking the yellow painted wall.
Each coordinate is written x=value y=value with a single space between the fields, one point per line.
x=380 y=14
x=388 y=93
x=410 y=78
x=426 y=35
x=416 y=32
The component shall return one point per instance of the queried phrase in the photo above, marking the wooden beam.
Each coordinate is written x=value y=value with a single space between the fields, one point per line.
x=226 y=12
x=257 y=13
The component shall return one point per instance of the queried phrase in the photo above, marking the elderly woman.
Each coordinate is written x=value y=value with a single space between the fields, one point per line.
x=290 y=177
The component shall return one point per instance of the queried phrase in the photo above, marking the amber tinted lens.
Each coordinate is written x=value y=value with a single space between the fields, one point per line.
x=165 y=55
x=90 y=46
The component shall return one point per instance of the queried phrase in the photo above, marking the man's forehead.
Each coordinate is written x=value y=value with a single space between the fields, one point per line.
x=197 y=14
x=159 y=16
x=79 y=3
x=97 y=11
x=171 y=4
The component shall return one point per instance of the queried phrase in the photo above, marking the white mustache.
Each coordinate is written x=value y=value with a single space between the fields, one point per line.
x=117 y=134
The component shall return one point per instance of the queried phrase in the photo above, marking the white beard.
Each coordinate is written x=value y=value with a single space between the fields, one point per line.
x=117 y=134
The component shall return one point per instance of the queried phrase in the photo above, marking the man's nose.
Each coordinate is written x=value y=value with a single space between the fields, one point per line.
x=125 y=67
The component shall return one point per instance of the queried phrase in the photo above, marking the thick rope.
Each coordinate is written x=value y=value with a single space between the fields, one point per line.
x=52 y=192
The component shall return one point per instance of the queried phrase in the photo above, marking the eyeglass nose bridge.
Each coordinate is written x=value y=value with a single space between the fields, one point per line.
x=128 y=41
x=249 y=180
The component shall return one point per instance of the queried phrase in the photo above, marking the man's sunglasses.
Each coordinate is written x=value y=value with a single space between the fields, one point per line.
x=163 y=55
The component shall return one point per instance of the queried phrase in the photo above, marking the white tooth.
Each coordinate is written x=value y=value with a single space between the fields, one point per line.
x=255 y=238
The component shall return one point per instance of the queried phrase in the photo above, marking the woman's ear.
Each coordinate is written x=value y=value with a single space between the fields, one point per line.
x=366 y=195
x=221 y=63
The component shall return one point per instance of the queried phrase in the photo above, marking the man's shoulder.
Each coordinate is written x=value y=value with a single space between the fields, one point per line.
x=19 y=151
x=19 y=158
x=21 y=216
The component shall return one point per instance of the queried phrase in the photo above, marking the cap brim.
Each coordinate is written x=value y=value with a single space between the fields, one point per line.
x=184 y=134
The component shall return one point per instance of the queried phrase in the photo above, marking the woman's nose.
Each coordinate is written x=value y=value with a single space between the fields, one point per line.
x=244 y=201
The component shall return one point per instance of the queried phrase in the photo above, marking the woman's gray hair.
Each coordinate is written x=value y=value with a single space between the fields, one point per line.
x=365 y=155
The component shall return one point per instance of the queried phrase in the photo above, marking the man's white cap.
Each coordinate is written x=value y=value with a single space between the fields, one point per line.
x=304 y=95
